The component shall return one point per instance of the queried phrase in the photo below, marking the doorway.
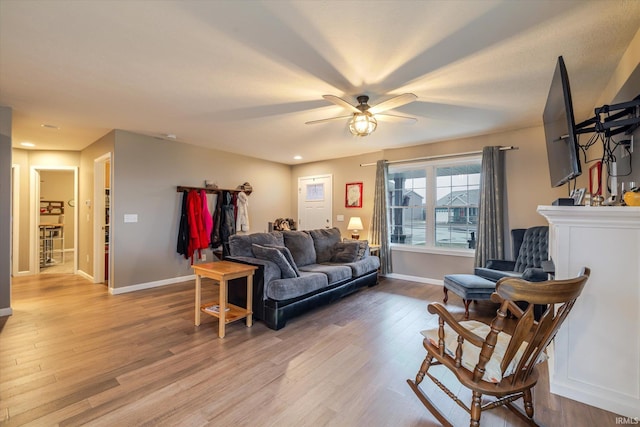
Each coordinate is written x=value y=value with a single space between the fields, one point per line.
x=103 y=196
x=315 y=202
x=53 y=219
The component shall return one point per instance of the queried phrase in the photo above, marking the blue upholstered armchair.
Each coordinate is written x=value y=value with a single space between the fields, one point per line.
x=530 y=249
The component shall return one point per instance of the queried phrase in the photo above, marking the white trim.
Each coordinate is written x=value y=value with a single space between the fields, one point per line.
x=429 y=205
x=99 y=186
x=6 y=312
x=466 y=253
x=415 y=279
x=149 y=285
x=34 y=205
x=85 y=275
x=23 y=273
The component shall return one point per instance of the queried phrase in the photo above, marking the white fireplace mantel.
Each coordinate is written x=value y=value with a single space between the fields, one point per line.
x=596 y=354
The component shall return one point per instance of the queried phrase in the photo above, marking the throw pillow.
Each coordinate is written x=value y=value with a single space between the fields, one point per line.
x=287 y=254
x=276 y=257
x=345 y=252
x=363 y=247
x=324 y=240
x=301 y=246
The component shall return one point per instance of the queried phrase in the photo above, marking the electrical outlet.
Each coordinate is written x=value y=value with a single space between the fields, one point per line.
x=204 y=257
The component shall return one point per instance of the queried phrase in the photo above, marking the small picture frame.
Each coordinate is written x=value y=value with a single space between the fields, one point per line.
x=578 y=196
x=595 y=179
x=353 y=195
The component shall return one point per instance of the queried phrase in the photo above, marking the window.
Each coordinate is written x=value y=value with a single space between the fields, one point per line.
x=435 y=204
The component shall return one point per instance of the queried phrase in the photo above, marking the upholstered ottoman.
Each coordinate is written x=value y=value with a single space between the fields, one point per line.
x=468 y=286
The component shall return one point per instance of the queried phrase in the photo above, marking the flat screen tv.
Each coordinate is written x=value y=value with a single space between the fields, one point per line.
x=560 y=129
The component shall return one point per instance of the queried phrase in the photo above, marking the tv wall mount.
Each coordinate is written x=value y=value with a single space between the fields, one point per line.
x=625 y=120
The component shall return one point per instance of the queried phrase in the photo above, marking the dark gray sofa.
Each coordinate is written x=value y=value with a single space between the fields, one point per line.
x=299 y=270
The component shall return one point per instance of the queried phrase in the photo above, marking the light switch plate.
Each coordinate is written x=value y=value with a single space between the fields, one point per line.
x=130 y=217
x=339 y=217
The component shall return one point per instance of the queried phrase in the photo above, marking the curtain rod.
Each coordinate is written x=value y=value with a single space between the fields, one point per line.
x=441 y=156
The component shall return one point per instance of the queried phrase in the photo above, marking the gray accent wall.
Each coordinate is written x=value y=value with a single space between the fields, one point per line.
x=146 y=173
x=5 y=210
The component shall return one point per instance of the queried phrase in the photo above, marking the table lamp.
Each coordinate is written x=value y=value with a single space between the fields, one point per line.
x=355 y=225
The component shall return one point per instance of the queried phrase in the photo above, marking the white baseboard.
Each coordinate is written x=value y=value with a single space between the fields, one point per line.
x=6 y=312
x=416 y=279
x=85 y=275
x=23 y=273
x=149 y=285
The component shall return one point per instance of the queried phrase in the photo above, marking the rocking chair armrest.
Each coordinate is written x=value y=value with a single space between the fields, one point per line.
x=441 y=311
x=512 y=306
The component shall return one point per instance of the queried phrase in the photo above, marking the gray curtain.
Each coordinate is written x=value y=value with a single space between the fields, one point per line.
x=380 y=221
x=491 y=216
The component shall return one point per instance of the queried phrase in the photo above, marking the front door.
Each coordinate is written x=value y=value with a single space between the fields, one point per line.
x=315 y=196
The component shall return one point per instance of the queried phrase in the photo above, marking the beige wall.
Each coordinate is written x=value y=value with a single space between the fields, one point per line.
x=21 y=159
x=344 y=170
x=528 y=186
x=42 y=160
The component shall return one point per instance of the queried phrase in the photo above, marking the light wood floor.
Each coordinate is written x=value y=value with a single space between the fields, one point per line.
x=72 y=355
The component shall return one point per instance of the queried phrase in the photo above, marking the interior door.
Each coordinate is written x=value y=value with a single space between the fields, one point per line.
x=315 y=202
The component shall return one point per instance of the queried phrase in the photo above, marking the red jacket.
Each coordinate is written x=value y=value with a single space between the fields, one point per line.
x=198 y=238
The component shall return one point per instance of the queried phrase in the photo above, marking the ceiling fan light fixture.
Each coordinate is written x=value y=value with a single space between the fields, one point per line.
x=362 y=124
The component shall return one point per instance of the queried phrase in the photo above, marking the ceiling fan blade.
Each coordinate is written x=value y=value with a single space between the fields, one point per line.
x=341 y=102
x=313 y=122
x=395 y=118
x=392 y=103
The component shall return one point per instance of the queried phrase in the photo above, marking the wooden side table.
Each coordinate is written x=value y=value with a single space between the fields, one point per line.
x=222 y=272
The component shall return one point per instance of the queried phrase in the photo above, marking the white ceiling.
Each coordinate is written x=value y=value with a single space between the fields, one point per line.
x=244 y=76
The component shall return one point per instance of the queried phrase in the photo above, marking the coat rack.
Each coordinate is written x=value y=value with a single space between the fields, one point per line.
x=246 y=188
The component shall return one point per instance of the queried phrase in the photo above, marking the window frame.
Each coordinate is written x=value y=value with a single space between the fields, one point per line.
x=430 y=167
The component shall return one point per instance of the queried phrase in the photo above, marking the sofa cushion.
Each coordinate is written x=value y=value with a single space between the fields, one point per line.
x=287 y=254
x=301 y=246
x=275 y=256
x=307 y=283
x=363 y=266
x=345 y=252
x=324 y=240
x=335 y=273
x=240 y=244
x=363 y=247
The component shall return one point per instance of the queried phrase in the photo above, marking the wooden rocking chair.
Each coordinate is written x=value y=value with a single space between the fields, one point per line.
x=491 y=362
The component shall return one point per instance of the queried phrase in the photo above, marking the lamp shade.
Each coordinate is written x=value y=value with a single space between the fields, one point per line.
x=355 y=223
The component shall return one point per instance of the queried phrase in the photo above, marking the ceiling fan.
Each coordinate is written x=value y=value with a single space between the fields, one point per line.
x=363 y=118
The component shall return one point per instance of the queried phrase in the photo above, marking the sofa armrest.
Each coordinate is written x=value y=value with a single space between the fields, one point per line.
x=500 y=264
x=270 y=270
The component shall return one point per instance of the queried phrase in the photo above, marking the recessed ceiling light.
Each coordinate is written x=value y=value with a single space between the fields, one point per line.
x=297 y=157
x=49 y=126
x=27 y=144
